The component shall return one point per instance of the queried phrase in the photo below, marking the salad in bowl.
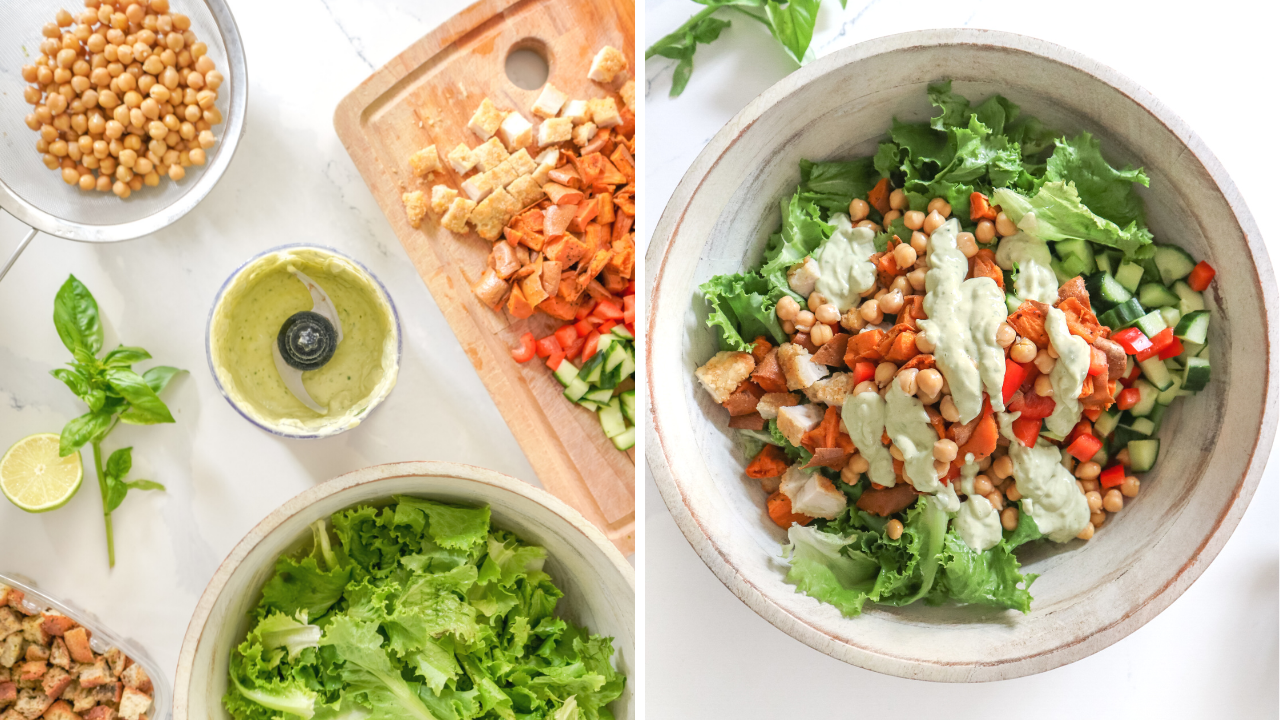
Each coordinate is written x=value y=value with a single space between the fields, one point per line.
x=958 y=346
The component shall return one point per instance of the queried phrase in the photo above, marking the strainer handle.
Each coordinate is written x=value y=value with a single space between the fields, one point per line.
x=21 y=246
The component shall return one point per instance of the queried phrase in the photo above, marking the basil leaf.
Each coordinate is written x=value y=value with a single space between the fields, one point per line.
x=74 y=380
x=96 y=399
x=120 y=463
x=124 y=356
x=145 y=407
x=81 y=430
x=75 y=315
x=144 y=485
x=793 y=24
x=158 y=377
x=116 y=490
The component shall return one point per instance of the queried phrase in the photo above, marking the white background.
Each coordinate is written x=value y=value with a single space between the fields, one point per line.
x=291 y=181
x=1213 y=653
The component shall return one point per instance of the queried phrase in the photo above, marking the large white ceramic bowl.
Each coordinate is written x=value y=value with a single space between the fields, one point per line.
x=598 y=583
x=1215 y=444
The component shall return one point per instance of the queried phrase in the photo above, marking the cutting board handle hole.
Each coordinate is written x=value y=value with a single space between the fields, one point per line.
x=527 y=66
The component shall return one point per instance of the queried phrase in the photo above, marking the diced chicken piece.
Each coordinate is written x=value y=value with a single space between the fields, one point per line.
x=441 y=198
x=812 y=494
x=607 y=64
x=604 y=112
x=724 y=372
x=134 y=704
x=628 y=93
x=554 y=130
x=803 y=276
x=503 y=175
x=455 y=219
x=576 y=111
x=549 y=102
x=770 y=403
x=831 y=390
x=415 y=207
x=525 y=190
x=796 y=420
x=462 y=159
x=492 y=214
x=486 y=120
x=799 y=367
x=135 y=677
x=522 y=162
x=425 y=161
x=10 y=622
x=550 y=156
x=477 y=187
x=490 y=155
x=515 y=131
x=584 y=133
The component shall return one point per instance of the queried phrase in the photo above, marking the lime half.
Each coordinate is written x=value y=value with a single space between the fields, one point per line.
x=34 y=478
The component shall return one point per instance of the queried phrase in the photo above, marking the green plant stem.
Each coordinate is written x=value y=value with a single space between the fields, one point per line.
x=680 y=30
x=102 y=488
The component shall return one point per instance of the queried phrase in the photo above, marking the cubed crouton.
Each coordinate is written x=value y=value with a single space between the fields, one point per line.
x=607 y=64
x=812 y=494
x=490 y=154
x=522 y=163
x=83 y=698
x=455 y=219
x=831 y=390
x=135 y=677
x=724 y=372
x=478 y=187
x=771 y=402
x=133 y=704
x=32 y=703
x=95 y=674
x=492 y=214
x=576 y=111
x=12 y=714
x=799 y=367
x=554 y=130
x=117 y=660
x=58 y=654
x=628 y=93
x=584 y=133
x=441 y=197
x=10 y=622
x=796 y=420
x=11 y=650
x=415 y=207
x=604 y=112
x=56 y=681
x=6 y=674
x=462 y=159
x=32 y=670
x=425 y=161
x=60 y=710
x=33 y=630
x=525 y=190
x=486 y=120
x=549 y=102
x=515 y=132
x=101 y=712
x=8 y=694
x=37 y=652
x=503 y=174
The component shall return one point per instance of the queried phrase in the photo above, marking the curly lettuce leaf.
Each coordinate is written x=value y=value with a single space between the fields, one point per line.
x=990 y=577
x=1056 y=212
x=803 y=231
x=1106 y=191
x=742 y=308
x=832 y=185
x=369 y=673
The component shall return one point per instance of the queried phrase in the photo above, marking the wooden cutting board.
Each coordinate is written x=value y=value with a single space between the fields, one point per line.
x=425 y=96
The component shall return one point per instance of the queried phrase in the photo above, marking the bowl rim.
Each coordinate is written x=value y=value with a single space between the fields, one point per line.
x=374 y=473
x=673 y=488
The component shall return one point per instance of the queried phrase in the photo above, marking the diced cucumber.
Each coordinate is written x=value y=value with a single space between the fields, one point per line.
x=621 y=332
x=1122 y=315
x=566 y=373
x=1196 y=374
x=629 y=404
x=1155 y=295
x=600 y=396
x=1011 y=302
x=593 y=368
x=592 y=406
x=1166 y=396
x=1100 y=457
x=1193 y=327
x=628 y=367
x=1105 y=292
x=1173 y=262
x=611 y=419
x=608 y=380
x=1124 y=434
x=1071 y=266
x=1190 y=349
x=576 y=389
x=626 y=440
x=1144 y=426
x=1170 y=315
x=1129 y=275
x=1150 y=324
x=1142 y=454
x=1069 y=250
x=1146 y=398
x=1189 y=300
x=1106 y=423
x=1106 y=263
x=616 y=355
x=1154 y=370
x=1150 y=273
x=1157 y=416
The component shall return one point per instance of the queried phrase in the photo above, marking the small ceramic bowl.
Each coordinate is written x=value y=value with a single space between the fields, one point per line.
x=290 y=427
x=1215 y=444
x=598 y=583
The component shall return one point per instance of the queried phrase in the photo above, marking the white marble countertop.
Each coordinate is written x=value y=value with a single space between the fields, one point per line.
x=1213 y=653
x=291 y=181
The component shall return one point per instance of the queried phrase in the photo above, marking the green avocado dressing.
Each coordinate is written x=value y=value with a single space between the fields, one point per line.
x=863 y=416
x=1036 y=279
x=844 y=261
x=1068 y=373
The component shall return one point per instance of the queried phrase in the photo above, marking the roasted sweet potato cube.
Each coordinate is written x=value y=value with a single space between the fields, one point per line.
x=558 y=308
x=550 y=277
x=604 y=213
x=561 y=195
x=569 y=289
x=598 y=261
x=587 y=212
x=532 y=286
x=566 y=175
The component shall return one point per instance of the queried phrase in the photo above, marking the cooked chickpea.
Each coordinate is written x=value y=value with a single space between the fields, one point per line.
x=940 y=206
x=176 y=172
x=1129 y=488
x=913 y=219
x=787 y=308
x=814 y=300
x=917 y=279
x=825 y=313
x=945 y=450
x=1090 y=485
x=932 y=222
x=885 y=372
x=985 y=232
x=1005 y=226
x=1043 y=386
x=858 y=208
x=1113 y=501
x=928 y=381
x=995 y=498
x=898 y=200
x=865 y=386
x=907 y=380
x=1005 y=335
x=1094 y=499
x=891 y=302
x=896 y=453
x=1012 y=492
x=1002 y=467
x=965 y=243
x=1009 y=518
x=919 y=242
x=1122 y=457
x=865 y=223
x=893 y=529
x=901 y=284
x=821 y=333
x=1045 y=362
x=1097 y=519
x=1023 y=351
x=871 y=312
x=924 y=344
x=1088 y=470
x=1086 y=533
x=905 y=255
x=948 y=409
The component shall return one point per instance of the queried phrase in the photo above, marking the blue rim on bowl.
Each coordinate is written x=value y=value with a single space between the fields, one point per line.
x=208 y=342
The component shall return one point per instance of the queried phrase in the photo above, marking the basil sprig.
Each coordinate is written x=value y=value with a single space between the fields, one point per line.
x=113 y=391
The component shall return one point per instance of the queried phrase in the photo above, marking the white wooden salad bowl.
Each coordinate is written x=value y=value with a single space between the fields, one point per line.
x=598 y=583
x=1088 y=595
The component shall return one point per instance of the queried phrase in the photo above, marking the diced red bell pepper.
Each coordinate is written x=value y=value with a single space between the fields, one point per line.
x=1014 y=374
x=1032 y=406
x=1132 y=340
x=606 y=310
x=863 y=371
x=1093 y=413
x=952 y=474
x=606 y=326
x=631 y=288
x=1128 y=398
x=548 y=345
x=575 y=348
x=525 y=352
x=1161 y=341
x=583 y=328
x=1174 y=350
x=1201 y=275
x=1097 y=362
x=631 y=328
x=566 y=335
x=1027 y=430
x=1084 y=427
x=1133 y=375
x=1112 y=476
x=555 y=359
x=1084 y=447
x=629 y=308
x=590 y=346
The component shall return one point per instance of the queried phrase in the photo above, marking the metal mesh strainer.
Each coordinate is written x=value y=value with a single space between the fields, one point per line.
x=38 y=197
